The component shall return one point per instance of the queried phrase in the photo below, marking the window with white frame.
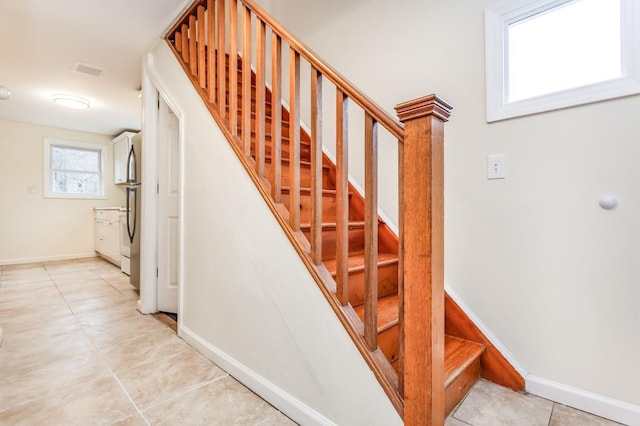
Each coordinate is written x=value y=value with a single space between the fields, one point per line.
x=549 y=54
x=74 y=169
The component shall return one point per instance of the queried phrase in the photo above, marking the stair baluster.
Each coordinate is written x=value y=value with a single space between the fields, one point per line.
x=201 y=47
x=276 y=117
x=371 y=232
x=193 y=53
x=233 y=67
x=294 y=140
x=185 y=42
x=316 y=166
x=220 y=64
x=211 y=52
x=261 y=35
x=342 y=197
x=246 y=80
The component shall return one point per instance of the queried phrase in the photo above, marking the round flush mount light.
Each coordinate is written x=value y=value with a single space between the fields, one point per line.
x=70 y=101
x=5 y=93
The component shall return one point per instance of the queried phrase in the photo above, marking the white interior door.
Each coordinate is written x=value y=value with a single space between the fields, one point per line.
x=168 y=208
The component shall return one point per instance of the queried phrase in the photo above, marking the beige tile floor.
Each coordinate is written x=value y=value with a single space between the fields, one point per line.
x=77 y=352
x=490 y=405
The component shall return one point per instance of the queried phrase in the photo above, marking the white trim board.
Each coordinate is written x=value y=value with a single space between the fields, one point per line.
x=6 y=262
x=148 y=302
x=289 y=405
x=599 y=405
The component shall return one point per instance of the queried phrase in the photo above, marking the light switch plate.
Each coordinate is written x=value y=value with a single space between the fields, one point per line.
x=496 y=166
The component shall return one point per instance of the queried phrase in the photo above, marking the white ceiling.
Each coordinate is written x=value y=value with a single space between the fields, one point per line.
x=41 y=40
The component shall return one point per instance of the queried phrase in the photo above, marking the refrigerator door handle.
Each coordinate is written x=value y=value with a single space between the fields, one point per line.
x=131 y=230
x=131 y=166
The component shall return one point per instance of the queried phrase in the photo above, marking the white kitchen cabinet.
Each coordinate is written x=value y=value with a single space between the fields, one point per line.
x=121 y=146
x=107 y=233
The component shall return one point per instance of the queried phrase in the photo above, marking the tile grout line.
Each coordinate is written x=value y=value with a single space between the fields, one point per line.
x=455 y=409
x=113 y=373
x=27 y=401
x=95 y=347
x=190 y=389
x=553 y=407
x=115 y=376
x=461 y=421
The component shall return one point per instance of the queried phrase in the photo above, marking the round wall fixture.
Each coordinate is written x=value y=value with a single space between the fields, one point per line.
x=608 y=202
x=70 y=101
x=5 y=93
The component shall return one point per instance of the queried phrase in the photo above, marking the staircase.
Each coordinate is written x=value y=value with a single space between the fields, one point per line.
x=360 y=264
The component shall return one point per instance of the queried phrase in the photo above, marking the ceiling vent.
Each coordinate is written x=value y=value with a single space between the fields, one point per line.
x=88 y=69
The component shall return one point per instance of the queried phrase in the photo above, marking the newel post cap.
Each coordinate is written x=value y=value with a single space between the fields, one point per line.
x=422 y=107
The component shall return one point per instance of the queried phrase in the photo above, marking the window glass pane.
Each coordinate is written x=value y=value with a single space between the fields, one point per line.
x=76 y=183
x=66 y=158
x=569 y=46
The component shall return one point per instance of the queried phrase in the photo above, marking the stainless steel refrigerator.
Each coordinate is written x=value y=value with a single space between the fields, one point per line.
x=134 y=198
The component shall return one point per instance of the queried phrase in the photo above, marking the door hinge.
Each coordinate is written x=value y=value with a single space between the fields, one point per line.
x=156 y=272
x=157 y=188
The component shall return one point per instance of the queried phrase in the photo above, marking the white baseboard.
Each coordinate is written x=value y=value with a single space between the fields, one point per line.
x=609 y=408
x=599 y=405
x=289 y=405
x=485 y=330
x=5 y=262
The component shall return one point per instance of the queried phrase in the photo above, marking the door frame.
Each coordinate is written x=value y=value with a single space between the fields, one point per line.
x=152 y=89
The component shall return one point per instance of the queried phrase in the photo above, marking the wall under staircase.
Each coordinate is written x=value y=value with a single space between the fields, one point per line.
x=281 y=338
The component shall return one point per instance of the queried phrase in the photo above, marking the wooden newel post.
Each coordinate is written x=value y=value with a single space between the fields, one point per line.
x=422 y=239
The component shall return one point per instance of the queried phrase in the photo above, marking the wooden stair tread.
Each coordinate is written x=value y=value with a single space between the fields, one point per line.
x=305 y=164
x=326 y=226
x=307 y=191
x=458 y=355
x=387 y=312
x=356 y=262
x=305 y=142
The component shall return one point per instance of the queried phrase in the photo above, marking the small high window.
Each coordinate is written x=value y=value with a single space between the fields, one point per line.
x=73 y=169
x=550 y=54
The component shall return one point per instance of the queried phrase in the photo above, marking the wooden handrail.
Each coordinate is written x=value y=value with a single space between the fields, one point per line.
x=328 y=72
x=366 y=103
x=206 y=40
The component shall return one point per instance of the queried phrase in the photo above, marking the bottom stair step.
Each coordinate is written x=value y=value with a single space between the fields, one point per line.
x=461 y=369
x=461 y=357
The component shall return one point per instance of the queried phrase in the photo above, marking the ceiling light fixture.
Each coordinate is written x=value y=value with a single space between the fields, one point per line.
x=5 y=93
x=70 y=101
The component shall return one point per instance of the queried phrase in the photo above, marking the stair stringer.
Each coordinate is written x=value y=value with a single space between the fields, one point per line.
x=247 y=296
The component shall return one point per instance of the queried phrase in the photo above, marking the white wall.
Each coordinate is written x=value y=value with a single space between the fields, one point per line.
x=248 y=301
x=550 y=273
x=34 y=228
